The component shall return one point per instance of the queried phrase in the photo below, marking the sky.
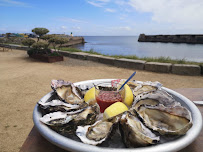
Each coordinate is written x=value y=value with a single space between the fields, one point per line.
x=103 y=17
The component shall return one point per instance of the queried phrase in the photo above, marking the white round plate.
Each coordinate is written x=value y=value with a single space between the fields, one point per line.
x=72 y=145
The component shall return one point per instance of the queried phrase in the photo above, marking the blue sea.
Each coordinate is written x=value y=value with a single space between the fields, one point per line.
x=128 y=45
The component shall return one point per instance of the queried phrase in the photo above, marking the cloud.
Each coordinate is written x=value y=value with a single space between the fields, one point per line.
x=66 y=19
x=185 y=13
x=98 y=3
x=123 y=28
x=63 y=27
x=12 y=3
x=110 y=10
x=76 y=27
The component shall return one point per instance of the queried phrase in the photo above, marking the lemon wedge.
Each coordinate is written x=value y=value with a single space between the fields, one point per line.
x=114 y=109
x=90 y=96
x=127 y=95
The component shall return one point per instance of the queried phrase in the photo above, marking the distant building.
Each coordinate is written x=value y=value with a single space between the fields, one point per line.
x=71 y=34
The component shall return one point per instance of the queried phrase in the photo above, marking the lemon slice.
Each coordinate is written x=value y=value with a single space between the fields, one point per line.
x=114 y=109
x=90 y=96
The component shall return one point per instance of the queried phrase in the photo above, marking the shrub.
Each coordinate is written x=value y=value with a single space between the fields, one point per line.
x=40 y=45
x=28 y=42
x=58 y=41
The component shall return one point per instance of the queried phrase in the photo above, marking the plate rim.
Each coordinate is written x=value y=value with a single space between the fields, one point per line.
x=69 y=144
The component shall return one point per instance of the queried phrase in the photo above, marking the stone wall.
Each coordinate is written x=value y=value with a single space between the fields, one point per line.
x=184 y=38
x=180 y=69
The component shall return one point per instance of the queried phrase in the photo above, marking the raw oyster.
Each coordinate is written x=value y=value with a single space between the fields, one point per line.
x=166 y=120
x=58 y=105
x=85 y=88
x=88 y=116
x=134 y=133
x=67 y=91
x=57 y=118
x=68 y=121
x=146 y=87
x=154 y=98
x=98 y=132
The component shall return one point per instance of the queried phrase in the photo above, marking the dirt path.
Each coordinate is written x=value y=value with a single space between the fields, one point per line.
x=24 y=81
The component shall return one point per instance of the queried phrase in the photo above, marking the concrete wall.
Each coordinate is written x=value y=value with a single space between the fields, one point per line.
x=192 y=39
x=180 y=69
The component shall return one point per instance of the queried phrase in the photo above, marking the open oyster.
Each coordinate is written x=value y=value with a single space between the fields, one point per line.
x=58 y=105
x=98 y=132
x=67 y=91
x=134 y=133
x=145 y=87
x=154 y=98
x=68 y=121
x=166 y=120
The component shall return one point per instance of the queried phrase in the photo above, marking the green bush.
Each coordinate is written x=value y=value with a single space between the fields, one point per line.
x=31 y=51
x=40 y=45
x=28 y=42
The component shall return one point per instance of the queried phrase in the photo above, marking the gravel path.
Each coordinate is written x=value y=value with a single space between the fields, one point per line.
x=24 y=81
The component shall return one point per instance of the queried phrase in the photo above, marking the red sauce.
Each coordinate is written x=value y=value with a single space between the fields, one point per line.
x=107 y=98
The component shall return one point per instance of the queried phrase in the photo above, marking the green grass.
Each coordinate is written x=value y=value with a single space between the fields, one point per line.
x=134 y=57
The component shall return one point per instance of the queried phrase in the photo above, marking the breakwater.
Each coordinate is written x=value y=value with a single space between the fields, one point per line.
x=74 y=41
x=179 y=38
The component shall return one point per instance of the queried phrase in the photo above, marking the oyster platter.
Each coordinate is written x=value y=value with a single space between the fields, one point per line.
x=153 y=118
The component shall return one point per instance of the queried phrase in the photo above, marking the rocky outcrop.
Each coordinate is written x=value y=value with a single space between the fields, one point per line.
x=185 y=38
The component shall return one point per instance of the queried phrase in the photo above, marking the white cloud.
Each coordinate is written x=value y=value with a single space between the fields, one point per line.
x=66 y=19
x=122 y=28
x=76 y=27
x=110 y=10
x=179 y=13
x=11 y=3
x=63 y=27
x=98 y=3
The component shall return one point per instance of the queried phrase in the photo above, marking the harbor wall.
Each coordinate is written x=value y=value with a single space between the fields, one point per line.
x=74 y=41
x=179 y=38
x=179 y=69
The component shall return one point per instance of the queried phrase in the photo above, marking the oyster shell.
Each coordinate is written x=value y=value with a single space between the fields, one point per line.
x=166 y=120
x=67 y=91
x=58 y=105
x=98 y=132
x=88 y=116
x=134 y=133
x=154 y=98
x=57 y=118
x=145 y=87
x=68 y=121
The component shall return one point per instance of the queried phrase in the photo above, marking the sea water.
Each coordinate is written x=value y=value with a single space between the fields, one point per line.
x=129 y=45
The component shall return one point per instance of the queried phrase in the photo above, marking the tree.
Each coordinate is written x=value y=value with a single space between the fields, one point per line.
x=28 y=42
x=47 y=38
x=58 y=41
x=40 y=32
